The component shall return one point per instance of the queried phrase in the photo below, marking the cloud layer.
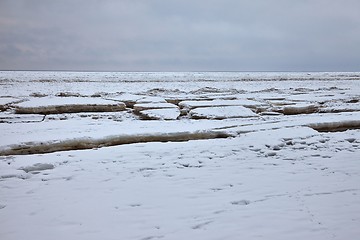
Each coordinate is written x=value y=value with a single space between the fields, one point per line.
x=174 y=35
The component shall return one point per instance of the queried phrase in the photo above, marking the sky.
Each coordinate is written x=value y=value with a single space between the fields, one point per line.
x=180 y=35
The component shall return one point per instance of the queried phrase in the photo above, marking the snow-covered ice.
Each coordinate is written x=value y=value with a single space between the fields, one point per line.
x=220 y=103
x=52 y=105
x=146 y=106
x=161 y=113
x=179 y=155
x=222 y=112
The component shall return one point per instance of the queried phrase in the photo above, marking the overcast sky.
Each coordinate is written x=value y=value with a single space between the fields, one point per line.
x=180 y=35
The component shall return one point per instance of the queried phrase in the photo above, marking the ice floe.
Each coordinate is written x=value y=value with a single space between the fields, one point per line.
x=220 y=103
x=159 y=105
x=51 y=105
x=299 y=109
x=161 y=113
x=222 y=112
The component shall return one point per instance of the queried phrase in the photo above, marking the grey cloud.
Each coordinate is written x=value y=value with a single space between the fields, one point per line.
x=147 y=35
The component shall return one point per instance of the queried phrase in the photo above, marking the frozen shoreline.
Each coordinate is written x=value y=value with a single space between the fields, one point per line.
x=256 y=158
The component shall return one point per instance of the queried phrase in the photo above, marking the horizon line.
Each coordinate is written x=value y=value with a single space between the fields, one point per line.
x=157 y=71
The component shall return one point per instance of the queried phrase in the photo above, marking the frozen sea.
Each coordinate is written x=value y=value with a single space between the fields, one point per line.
x=179 y=155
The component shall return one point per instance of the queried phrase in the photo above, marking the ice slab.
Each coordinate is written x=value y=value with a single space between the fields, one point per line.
x=335 y=126
x=221 y=103
x=161 y=114
x=300 y=109
x=88 y=143
x=56 y=105
x=127 y=98
x=222 y=112
x=151 y=99
x=159 y=105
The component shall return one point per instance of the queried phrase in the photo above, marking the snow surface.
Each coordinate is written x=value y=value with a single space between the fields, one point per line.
x=290 y=172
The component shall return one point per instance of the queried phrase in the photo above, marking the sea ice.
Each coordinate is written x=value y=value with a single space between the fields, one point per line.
x=290 y=174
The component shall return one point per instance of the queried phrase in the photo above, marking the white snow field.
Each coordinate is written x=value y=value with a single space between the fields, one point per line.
x=199 y=155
